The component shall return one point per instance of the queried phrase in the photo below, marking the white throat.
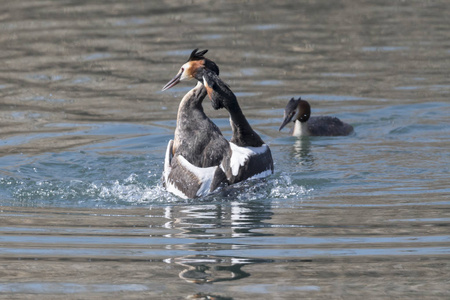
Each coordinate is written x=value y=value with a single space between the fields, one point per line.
x=300 y=129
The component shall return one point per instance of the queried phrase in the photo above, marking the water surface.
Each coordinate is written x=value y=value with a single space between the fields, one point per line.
x=84 y=129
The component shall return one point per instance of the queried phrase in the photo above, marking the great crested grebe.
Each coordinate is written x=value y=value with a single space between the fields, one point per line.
x=191 y=166
x=300 y=111
x=250 y=157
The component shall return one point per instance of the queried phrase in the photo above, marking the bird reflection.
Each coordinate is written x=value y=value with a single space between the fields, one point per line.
x=302 y=151
x=208 y=269
x=203 y=296
x=207 y=225
x=234 y=219
x=201 y=269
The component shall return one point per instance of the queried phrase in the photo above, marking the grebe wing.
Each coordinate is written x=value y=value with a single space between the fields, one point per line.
x=248 y=163
x=188 y=181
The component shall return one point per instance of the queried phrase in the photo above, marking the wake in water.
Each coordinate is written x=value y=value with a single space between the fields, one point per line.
x=136 y=190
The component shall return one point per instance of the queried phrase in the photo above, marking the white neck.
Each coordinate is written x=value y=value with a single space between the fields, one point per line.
x=300 y=129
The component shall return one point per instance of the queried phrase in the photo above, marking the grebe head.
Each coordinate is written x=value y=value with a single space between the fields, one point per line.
x=297 y=110
x=193 y=68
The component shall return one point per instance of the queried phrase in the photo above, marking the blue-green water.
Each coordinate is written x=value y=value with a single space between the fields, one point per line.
x=84 y=129
x=395 y=150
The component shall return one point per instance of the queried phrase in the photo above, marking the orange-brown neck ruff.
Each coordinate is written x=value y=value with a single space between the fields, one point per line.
x=194 y=68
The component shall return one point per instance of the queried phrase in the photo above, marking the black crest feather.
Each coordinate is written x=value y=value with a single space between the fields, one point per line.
x=197 y=55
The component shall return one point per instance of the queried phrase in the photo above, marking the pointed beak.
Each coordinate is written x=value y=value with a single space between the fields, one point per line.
x=172 y=82
x=286 y=120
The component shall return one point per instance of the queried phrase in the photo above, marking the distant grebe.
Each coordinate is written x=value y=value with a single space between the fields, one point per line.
x=300 y=111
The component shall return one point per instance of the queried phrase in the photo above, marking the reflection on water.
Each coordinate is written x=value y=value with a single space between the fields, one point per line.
x=200 y=270
x=84 y=128
x=302 y=151
x=220 y=249
x=235 y=219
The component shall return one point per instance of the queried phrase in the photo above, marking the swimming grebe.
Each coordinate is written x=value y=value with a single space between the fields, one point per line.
x=250 y=156
x=191 y=166
x=300 y=111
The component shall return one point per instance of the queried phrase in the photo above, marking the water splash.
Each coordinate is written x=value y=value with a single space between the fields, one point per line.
x=135 y=190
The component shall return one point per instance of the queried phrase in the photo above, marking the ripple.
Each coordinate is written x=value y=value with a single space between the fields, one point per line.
x=48 y=98
x=326 y=97
x=96 y=56
x=276 y=288
x=81 y=80
x=434 y=87
x=185 y=52
x=212 y=36
x=44 y=77
x=269 y=82
x=130 y=21
x=68 y=288
x=264 y=27
x=259 y=252
x=384 y=48
x=340 y=74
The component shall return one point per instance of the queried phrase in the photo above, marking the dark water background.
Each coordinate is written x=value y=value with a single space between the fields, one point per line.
x=84 y=127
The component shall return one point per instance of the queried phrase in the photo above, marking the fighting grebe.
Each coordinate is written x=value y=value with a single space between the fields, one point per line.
x=300 y=111
x=191 y=166
x=250 y=156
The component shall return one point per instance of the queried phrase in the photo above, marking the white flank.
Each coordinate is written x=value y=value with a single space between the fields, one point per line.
x=240 y=155
x=204 y=176
x=170 y=187
x=167 y=161
x=263 y=174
